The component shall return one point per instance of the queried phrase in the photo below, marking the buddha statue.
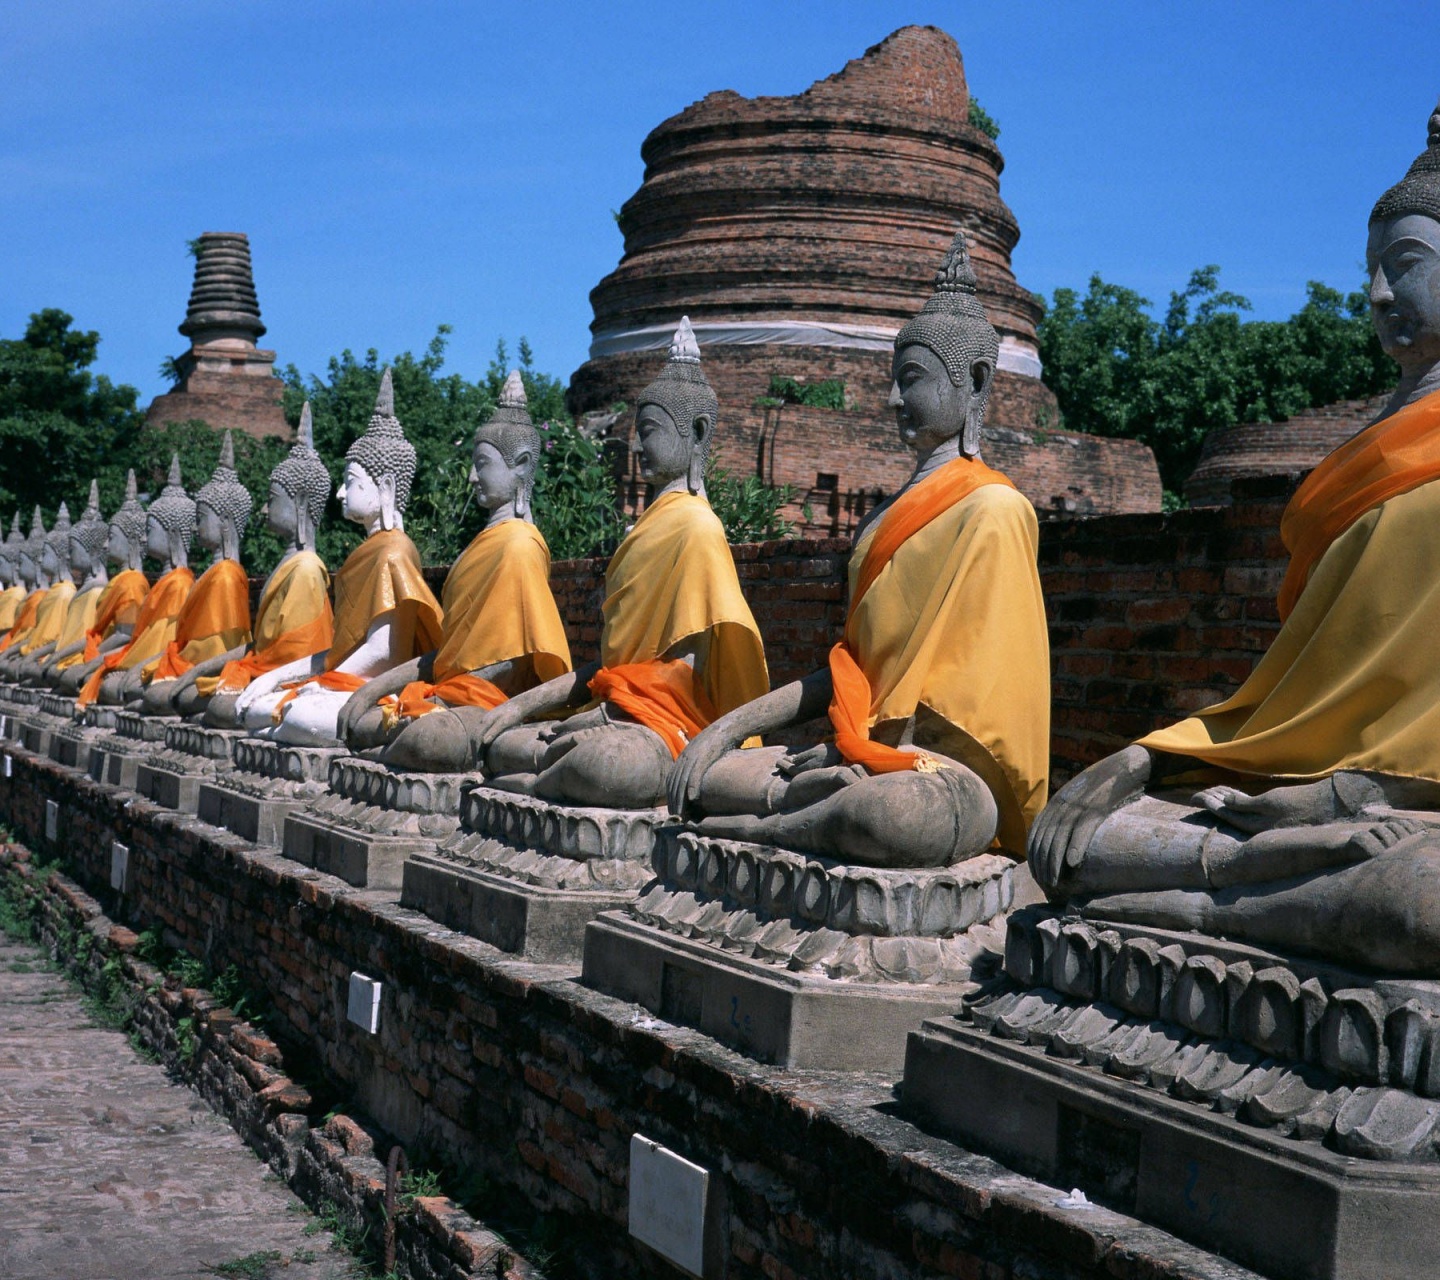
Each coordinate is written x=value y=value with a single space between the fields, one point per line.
x=14 y=593
x=53 y=568
x=26 y=558
x=85 y=554
x=169 y=527
x=385 y=615
x=294 y=619
x=678 y=645
x=215 y=618
x=1316 y=833
x=120 y=601
x=502 y=633
x=939 y=690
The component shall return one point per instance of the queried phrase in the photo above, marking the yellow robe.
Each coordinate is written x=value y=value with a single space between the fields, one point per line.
x=214 y=619
x=956 y=622
x=11 y=600
x=672 y=578
x=1351 y=680
x=24 y=620
x=50 y=618
x=119 y=605
x=294 y=620
x=154 y=629
x=382 y=575
x=79 y=618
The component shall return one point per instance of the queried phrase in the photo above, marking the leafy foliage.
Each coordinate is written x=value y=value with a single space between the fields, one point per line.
x=981 y=119
x=1117 y=371
x=576 y=505
x=827 y=394
x=749 y=510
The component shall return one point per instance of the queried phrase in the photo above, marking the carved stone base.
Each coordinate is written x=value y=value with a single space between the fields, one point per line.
x=799 y=960
x=59 y=705
x=193 y=755
x=71 y=745
x=527 y=876
x=1209 y=1088
x=267 y=783
x=37 y=729
x=116 y=758
x=366 y=860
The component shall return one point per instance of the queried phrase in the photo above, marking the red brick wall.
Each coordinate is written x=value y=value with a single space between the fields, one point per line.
x=239 y=402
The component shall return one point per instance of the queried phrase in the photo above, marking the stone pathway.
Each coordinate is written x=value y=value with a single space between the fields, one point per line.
x=108 y=1171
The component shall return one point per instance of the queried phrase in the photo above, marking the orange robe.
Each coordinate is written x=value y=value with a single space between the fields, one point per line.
x=214 y=619
x=293 y=621
x=946 y=612
x=673 y=578
x=154 y=629
x=25 y=620
x=119 y=606
x=498 y=608
x=11 y=601
x=49 y=618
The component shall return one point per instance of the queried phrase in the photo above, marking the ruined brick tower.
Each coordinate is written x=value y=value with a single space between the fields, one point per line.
x=799 y=234
x=225 y=380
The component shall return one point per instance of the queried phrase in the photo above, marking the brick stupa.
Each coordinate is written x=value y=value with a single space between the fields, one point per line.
x=225 y=379
x=799 y=234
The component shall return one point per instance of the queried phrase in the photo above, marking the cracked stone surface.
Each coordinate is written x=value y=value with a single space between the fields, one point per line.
x=108 y=1171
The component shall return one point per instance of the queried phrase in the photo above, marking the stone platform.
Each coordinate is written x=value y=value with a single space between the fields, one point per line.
x=71 y=746
x=116 y=758
x=1213 y=1089
x=371 y=819
x=193 y=755
x=268 y=781
x=527 y=876
x=53 y=713
x=797 y=960
x=17 y=703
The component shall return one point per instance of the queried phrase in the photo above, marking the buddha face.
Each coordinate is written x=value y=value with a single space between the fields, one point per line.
x=49 y=561
x=117 y=546
x=79 y=557
x=28 y=568
x=282 y=516
x=929 y=408
x=359 y=494
x=494 y=480
x=157 y=541
x=661 y=449
x=209 y=528
x=1403 y=261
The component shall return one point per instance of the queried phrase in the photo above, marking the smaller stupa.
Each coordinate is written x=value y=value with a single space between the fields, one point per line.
x=224 y=378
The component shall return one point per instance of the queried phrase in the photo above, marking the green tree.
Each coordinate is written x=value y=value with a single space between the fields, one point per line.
x=1117 y=371
x=60 y=425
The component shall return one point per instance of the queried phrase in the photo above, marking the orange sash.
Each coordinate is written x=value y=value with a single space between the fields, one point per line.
x=334 y=681
x=164 y=600
x=313 y=637
x=1391 y=457
x=662 y=695
x=463 y=690
x=217 y=610
x=851 y=700
x=26 y=620
x=120 y=604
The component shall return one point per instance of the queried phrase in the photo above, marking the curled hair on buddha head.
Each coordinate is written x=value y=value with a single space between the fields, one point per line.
x=301 y=473
x=58 y=539
x=10 y=550
x=35 y=543
x=682 y=390
x=174 y=509
x=92 y=529
x=1419 y=190
x=130 y=518
x=511 y=432
x=953 y=325
x=383 y=450
x=224 y=494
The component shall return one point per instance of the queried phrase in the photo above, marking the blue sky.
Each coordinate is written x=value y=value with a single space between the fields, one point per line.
x=401 y=165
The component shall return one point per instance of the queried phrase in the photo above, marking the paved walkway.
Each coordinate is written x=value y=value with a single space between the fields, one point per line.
x=110 y=1172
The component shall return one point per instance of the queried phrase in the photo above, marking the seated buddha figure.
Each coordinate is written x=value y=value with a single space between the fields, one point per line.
x=85 y=556
x=116 y=678
x=1317 y=835
x=53 y=551
x=384 y=613
x=25 y=555
x=13 y=596
x=294 y=619
x=938 y=692
x=502 y=634
x=121 y=543
x=215 y=618
x=678 y=644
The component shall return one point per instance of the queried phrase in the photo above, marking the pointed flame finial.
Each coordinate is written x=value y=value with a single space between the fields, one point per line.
x=512 y=394
x=683 y=346
x=385 y=400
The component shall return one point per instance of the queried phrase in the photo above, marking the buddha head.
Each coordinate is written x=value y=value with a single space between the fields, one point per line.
x=675 y=417
x=88 y=537
x=55 y=553
x=125 y=545
x=379 y=469
x=506 y=453
x=170 y=522
x=31 y=553
x=222 y=506
x=1402 y=257
x=10 y=554
x=299 y=489
x=944 y=362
